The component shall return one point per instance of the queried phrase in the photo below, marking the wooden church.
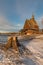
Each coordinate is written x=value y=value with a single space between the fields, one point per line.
x=31 y=26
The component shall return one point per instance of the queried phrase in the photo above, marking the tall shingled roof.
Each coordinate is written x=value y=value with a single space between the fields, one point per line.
x=31 y=24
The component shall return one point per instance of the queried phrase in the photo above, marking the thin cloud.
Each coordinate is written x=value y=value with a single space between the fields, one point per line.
x=17 y=11
x=5 y=25
x=40 y=21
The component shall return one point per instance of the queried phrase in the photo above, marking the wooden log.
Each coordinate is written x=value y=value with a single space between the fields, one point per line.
x=9 y=43
x=14 y=44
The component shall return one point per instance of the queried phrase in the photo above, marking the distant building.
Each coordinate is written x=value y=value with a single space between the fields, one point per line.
x=31 y=24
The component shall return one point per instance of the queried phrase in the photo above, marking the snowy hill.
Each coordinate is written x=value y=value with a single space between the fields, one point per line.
x=30 y=53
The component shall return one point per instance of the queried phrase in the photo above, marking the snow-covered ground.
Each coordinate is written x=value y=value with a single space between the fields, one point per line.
x=30 y=54
x=36 y=47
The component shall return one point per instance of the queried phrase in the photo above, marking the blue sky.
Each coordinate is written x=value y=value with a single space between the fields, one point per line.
x=13 y=13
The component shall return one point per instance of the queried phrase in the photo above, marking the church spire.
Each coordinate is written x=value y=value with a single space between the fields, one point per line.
x=32 y=16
